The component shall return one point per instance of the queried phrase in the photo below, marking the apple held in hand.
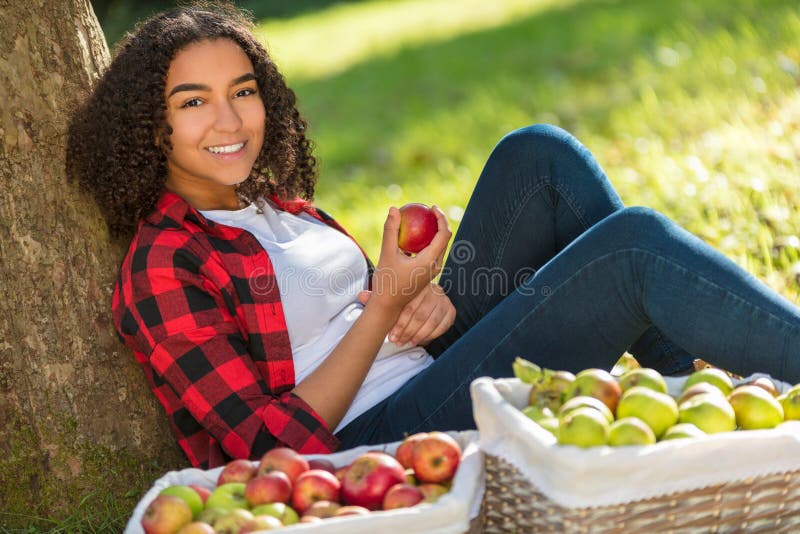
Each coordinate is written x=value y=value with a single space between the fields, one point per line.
x=418 y=225
x=369 y=478
x=436 y=458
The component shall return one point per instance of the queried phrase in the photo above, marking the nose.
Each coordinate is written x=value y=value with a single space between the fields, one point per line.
x=227 y=118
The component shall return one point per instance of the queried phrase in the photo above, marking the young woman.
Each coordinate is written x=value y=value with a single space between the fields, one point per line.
x=259 y=322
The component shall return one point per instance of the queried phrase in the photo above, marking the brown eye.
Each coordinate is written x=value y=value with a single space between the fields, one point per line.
x=192 y=103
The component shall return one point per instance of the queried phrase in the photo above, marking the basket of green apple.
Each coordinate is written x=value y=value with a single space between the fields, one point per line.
x=429 y=482
x=638 y=452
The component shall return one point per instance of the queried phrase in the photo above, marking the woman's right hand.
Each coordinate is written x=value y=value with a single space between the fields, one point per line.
x=398 y=278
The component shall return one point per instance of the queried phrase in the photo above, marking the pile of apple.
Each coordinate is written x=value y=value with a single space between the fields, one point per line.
x=594 y=408
x=284 y=488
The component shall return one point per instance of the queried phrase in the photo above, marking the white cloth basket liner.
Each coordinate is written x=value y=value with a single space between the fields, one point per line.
x=450 y=514
x=603 y=476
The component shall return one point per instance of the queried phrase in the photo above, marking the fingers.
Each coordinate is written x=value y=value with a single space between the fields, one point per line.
x=391 y=229
x=363 y=296
x=436 y=324
x=428 y=316
x=434 y=252
x=406 y=321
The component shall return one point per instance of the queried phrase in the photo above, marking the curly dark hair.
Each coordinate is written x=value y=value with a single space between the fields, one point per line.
x=112 y=151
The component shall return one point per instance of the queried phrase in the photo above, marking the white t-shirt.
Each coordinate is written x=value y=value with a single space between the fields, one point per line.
x=320 y=272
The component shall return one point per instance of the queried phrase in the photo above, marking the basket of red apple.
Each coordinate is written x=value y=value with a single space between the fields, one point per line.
x=638 y=452
x=429 y=482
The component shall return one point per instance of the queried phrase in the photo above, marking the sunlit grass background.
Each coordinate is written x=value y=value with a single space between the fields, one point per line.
x=691 y=107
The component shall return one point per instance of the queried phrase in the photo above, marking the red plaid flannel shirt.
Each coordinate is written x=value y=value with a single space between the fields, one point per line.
x=199 y=305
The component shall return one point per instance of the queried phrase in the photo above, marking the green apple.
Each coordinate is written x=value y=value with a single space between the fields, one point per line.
x=584 y=401
x=658 y=410
x=537 y=412
x=190 y=496
x=630 y=431
x=790 y=401
x=643 y=376
x=584 y=427
x=682 y=430
x=228 y=496
x=755 y=408
x=233 y=521
x=283 y=512
x=209 y=515
x=710 y=412
x=715 y=377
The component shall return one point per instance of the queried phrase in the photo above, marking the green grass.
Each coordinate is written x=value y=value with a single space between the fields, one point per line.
x=691 y=107
x=96 y=514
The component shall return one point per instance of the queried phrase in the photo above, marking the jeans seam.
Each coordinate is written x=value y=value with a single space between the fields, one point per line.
x=545 y=182
x=561 y=285
x=504 y=243
x=570 y=200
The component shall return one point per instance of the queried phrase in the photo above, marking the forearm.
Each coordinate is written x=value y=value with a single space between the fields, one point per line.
x=331 y=388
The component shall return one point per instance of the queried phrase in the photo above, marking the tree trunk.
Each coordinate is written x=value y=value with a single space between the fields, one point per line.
x=76 y=416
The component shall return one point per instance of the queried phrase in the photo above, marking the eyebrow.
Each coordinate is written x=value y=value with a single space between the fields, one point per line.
x=202 y=87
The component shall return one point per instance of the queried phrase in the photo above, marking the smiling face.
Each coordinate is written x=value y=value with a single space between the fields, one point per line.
x=217 y=120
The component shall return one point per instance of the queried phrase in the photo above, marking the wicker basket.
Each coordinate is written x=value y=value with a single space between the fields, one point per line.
x=762 y=504
x=730 y=482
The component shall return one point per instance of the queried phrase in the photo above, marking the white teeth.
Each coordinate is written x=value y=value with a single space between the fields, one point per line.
x=225 y=149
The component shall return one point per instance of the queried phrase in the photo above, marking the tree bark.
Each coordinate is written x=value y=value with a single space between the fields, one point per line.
x=76 y=417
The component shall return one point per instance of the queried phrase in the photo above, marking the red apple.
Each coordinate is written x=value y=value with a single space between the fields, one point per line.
x=166 y=514
x=202 y=491
x=271 y=487
x=236 y=471
x=283 y=459
x=351 y=510
x=369 y=478
x=418 y=225
x=596 y=383
x=406 y=449
x=432 y=492
x=312 y=486
x=436 y=458
x=310 y=519
x=322 y=463
x=323 y=509
x=402 y=496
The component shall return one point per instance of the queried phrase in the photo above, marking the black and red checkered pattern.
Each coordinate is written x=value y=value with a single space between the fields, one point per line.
x=199 y=305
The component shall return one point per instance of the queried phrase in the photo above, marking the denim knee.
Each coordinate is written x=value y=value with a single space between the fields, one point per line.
x=637 y=226
x=539 y=141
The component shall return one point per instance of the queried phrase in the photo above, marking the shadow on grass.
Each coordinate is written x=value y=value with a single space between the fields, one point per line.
x=572 y=65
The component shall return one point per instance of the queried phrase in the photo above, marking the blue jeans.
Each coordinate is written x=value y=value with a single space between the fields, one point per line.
x=549 y=265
